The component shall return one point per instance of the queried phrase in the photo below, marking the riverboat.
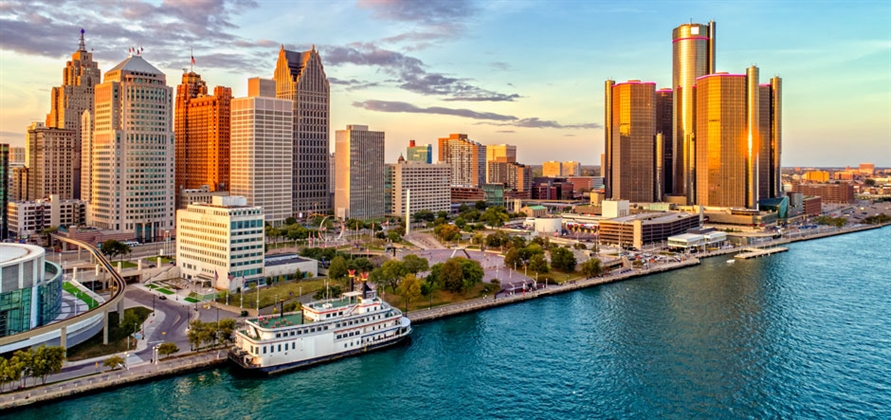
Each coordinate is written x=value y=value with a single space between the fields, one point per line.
x=327 y=330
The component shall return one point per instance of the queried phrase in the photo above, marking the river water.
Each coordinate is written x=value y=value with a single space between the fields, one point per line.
x=802 y=334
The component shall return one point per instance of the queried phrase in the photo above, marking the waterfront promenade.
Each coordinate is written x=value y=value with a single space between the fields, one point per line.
x=107 y=379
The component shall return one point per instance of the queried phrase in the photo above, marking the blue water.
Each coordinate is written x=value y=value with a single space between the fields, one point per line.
x=803 y=334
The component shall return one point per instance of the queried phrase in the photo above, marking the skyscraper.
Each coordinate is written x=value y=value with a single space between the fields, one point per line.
x=202 y=135
x=693 y=55
x=512 y=175
x=70 y=100
x=499 y=153
x=770 y=183
x=664 y=100
x=133 y=151
x=630 y=140
x=4 y=191
x=51 y=159
x=359 y=182
x=300 y=78
x=416 y=153
x=261 y=154
x=466 y=158
x=727 y=126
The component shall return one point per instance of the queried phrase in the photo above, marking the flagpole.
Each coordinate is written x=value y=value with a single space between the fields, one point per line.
x=192 y=62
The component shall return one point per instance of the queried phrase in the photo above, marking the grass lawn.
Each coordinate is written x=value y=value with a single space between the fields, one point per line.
x=70 y=288
x=117 y=339
x=284 y=290
x=558 y=277
x=165 y=291
x=191 y=300
x=441 y=297
x=151 y=286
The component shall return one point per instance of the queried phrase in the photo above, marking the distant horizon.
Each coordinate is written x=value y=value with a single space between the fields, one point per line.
x=423 y=70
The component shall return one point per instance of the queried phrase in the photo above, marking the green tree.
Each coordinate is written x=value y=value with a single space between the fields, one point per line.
x=442 y=215
x=167 y=349
x=472 y=272
x=480 y=205
x=409 y=289
x=539 y=264
x=463 y=207
x=517 y=242
x=130 y=324
x=460 y=222
x=433 y=278
x=495 y=216
x=338 y=268
x=394 y=236
x=46 y=360
x=13 y=371
x=47 y=234
x=290 y=221
x=592 y=267
x=25 y=363
x=497 y=239
x=415 y=264
x=447 y=232
x=563 y=259
x=424 y=216
x=225 y=329
x=114 y=362
x=332 y=291
x=451 y=276
x=390 y=274
x=113 y=248
x=512 y=258
x=360 y=264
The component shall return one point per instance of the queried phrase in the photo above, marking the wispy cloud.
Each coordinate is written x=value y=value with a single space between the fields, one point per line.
x=427 y=21
x=489 y=118
x=411 y=74
x=506 y=131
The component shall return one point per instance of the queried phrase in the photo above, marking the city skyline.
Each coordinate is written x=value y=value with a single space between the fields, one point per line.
x=420 y=70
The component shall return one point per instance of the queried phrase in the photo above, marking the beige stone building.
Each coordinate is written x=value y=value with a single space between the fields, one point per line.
x=359 y=178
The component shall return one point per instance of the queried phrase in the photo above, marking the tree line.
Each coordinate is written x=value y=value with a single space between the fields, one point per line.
x=36 y=363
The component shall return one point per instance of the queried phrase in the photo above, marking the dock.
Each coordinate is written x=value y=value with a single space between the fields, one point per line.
x=759 y=252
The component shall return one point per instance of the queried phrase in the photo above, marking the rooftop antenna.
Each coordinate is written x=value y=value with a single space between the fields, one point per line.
x=82 y=46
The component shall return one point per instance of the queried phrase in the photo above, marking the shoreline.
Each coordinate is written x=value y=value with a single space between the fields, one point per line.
x=86 y=385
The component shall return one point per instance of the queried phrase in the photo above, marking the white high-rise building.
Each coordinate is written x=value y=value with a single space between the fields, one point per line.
x=132 y=152
x=220 y=244
x=359 y=181
x=428 y=182
x=261 y=154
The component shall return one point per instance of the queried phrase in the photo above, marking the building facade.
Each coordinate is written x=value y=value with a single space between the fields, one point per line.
x=571 y=168
x=466 y=158
x=512 y=175
x=419 y=153
x=27 y=218
x=693 y=55
x=727 y=137
x=69 y=102
x=428 y=184
x=4 y=190
x=665 y=155
x=359 y=181
x=17 y=156
x=499 y=153
x=770 y=180
x=197 y=195
x=202 y=134
x=51 y=161
x=300 y=78
x=30 y=288
x=132 y=160
x=551 y=169
x=221 y=243
x=842 y=192
x=261 y=155
x=630 y=141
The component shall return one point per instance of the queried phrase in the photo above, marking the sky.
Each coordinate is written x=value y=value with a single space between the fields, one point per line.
x=528 y=73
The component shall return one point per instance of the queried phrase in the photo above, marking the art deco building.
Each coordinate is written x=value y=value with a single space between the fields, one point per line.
x=261 y=154
x=693 y=55
x=69 y=101
x=51 y=159
x=359 y=181
x=466 y=158
x=419 y=153
x=202 y=134
x=300 y=78
x=727 y=127
x=132 y=159
x=630 y=140
x=551 y=169
x=428 y=184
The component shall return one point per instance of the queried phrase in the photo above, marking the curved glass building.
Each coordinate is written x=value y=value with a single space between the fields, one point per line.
x=30 y=288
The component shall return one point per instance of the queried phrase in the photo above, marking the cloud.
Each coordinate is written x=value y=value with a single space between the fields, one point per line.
x=499 y=65
x=410 y=73
x=506 y=131
x=489 y=118
x=393 y=106
x=51 y=29
x=427 y=22
x=352 y=84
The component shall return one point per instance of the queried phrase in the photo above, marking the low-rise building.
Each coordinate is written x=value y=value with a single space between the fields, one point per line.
x=221 y=244
x=534 y=211
x=645 y=228
x=842 y=192
x=286 y=265
x=28 y=218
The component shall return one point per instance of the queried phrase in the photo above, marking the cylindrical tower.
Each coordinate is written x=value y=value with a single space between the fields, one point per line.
x=693 y=55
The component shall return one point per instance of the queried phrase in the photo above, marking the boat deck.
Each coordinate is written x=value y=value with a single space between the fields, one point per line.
x=278 y=321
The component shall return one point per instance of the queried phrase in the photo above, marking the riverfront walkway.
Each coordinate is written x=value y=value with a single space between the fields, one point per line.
x=106 y=379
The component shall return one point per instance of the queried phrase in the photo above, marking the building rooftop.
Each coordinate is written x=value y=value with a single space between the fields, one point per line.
x=651 y=217
x=136 y=63
x=281 y=259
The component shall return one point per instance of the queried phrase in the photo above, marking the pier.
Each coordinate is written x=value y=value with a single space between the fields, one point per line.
x=759 y=252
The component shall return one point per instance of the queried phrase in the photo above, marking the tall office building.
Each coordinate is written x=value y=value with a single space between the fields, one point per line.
x=551 y=169
x=727 y=127
x=51 y=156
x=499 y=153
x=466 y=158
x=571 y=168
x=770 y=184
x=202 y=135
x=17 y=156
x=300 y=78
x=416 y=153
x=133 y=150
x=630 y=140
x=693 y=55
x=261 y=154
x=359 y=181
x=69 y=101
x=512 y=175
x=4 y=191
x=665 y=175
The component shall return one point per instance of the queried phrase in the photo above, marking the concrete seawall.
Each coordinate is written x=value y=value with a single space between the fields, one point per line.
x=425 y=315
x=108 y=379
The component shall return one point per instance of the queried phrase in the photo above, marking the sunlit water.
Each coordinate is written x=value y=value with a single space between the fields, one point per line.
x=803 y=334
